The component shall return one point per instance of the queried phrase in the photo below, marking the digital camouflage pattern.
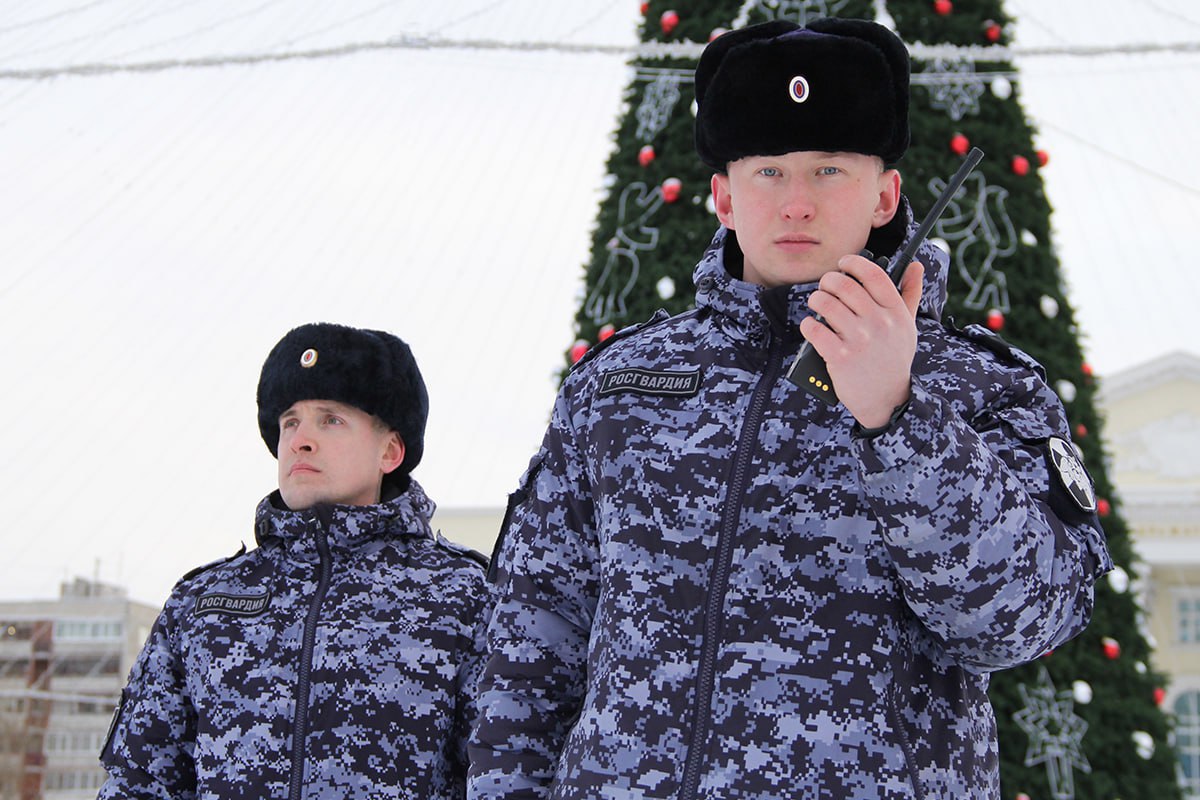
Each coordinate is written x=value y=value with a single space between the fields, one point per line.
x=728 y=594
x=353 y=630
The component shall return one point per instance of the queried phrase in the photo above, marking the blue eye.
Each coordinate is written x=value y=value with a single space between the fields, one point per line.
x=769 y=172
x=828 y=171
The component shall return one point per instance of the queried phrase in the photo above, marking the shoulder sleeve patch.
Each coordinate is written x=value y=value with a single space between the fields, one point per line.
x=106 y=750
x=515 y=501
x=1068 y=470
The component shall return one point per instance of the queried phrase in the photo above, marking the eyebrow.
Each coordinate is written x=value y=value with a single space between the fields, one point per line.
x=335 y=408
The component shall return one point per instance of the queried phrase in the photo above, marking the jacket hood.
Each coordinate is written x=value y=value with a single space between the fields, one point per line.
x=347 y=527
x=719 y=286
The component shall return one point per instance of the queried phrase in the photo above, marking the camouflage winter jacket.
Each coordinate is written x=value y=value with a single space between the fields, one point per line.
x=352 y=630
x=710 y=587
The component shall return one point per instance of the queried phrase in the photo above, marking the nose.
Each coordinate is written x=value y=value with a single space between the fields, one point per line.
x=797 y=205
x=299 y=440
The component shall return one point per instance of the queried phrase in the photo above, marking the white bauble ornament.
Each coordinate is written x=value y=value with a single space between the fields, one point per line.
x=1028 y=239
x=711 y=205
x=665 y=288
x=1118 y=579
x=1066 y=390
x=1049 y=306
x=941 y=244
x=1082 y=690
x=1139 y=667
x=695 y=108
x=1144 y=743
x=1002 y=88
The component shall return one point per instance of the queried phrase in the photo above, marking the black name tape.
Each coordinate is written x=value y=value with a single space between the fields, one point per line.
x=651 y=382
x=235 y=604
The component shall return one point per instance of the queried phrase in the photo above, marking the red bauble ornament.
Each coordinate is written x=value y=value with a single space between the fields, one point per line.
x=992 y=31
x=959 y=144
x=1103 y=507
x=995 y=319
x=1081 y=430
x=578 y=349
x=717 y=32
x=943 y=7
x=671 y=188
x=646 y=155
x=1020 y=165
x=606 y=332
x=1021 y=796
x=1112 y=649
x=1043 y=158
x=645 y=8
x=668 y=21
x=1160 y=695
x=1086 y=369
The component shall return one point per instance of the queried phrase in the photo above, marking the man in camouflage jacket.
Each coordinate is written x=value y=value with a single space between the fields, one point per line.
x=711 y=584
x=339 y=658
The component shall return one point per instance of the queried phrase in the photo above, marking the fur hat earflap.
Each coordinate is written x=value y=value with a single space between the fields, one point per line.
x=837 y=85
x=373 y=371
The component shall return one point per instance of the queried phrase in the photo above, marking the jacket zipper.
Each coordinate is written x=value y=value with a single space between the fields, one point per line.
x=303 y=689
x=706 y=671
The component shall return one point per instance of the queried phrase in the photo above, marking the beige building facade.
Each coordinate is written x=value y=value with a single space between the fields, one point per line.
x=1153 y=436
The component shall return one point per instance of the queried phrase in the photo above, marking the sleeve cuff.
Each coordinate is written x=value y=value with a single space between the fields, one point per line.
x=909 y=432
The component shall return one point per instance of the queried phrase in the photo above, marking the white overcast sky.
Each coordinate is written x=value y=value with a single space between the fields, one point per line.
x=160 y=229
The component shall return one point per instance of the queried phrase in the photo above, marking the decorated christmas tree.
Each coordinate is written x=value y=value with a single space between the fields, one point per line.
x=1083 y=721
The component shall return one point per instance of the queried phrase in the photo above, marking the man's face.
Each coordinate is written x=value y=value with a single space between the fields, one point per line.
x=798 y=213
x=331 y=452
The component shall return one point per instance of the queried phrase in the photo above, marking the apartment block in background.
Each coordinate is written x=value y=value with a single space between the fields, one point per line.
x=63 y=663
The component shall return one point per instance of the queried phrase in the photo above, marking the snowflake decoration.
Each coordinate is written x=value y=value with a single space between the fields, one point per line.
x=1055 y=735
x=799 y=11
x=953 y=86
x=658 y=103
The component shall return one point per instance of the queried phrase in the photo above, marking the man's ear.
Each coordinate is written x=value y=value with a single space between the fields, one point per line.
x=723 y=200
x=889 y=198
x=393 y=453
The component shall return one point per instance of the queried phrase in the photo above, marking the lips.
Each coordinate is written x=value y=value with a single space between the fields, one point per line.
x=301 y=467
x=796 y=244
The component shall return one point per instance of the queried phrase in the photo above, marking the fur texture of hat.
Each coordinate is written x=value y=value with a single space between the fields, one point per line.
x=373 y=371
x=837 y=85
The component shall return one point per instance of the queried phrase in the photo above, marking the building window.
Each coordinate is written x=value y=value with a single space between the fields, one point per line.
x=1187 y=742
x=88 y=629
x=66 y=781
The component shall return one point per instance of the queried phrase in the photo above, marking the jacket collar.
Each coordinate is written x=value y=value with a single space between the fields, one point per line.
x=752 y=309
x=346 y=528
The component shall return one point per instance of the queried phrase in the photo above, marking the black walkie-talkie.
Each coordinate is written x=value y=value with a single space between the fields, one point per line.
x=808 y=371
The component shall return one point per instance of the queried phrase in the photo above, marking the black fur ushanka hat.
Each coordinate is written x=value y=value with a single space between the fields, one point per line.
x=371 y=370
x=837 y=85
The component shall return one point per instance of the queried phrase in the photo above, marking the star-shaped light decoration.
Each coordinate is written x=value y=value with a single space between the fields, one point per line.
x=953 y=86
x=1055 y=735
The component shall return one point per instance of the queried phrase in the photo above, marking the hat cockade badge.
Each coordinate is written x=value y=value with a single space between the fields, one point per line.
x=798 y=89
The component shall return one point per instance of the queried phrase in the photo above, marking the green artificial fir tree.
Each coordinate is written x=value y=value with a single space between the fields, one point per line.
x=1083 y=721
